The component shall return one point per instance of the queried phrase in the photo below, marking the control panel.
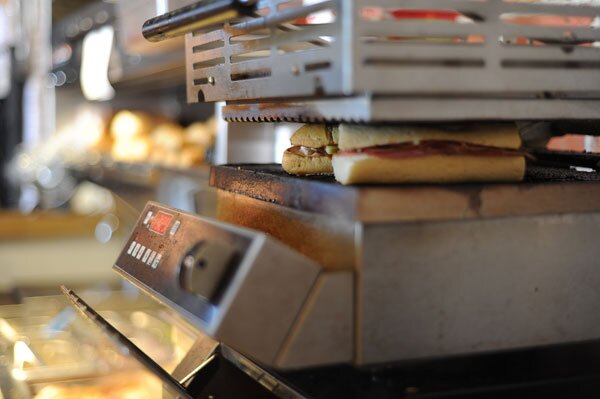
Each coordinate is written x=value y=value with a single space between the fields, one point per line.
x=184 y=260
x=233 y=283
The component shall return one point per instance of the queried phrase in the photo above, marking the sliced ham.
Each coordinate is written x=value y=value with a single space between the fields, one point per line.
x=432 y=147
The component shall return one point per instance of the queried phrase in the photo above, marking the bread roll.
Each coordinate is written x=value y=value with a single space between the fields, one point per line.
x=168 y=136
x=127 y=125
x=201 y=134
x=191 y=155
x=158 y=156
x=297 y=164
x=315 y=136
x=131 y=150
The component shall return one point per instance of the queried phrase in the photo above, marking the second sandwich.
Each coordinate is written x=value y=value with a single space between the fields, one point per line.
x=407 y=154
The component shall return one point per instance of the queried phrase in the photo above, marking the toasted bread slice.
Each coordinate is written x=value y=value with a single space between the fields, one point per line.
x=352 y=137
x=362 y=168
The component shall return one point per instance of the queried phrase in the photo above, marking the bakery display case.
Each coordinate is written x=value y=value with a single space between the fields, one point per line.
x=48 y=351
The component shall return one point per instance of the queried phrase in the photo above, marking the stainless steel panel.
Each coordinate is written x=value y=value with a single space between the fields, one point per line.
x=268 y=299
x=480 y=67
x=324 y=330
x=438 y=289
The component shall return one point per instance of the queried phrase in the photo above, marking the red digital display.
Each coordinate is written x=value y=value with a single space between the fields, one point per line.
x=160 y=223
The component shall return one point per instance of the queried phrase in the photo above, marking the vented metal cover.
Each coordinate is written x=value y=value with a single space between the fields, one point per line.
x=545 y=53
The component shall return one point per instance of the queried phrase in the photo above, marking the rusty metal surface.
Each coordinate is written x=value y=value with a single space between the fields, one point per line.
x=545 y=191
x=269 y=183
x=555 y=175
x=331 y=239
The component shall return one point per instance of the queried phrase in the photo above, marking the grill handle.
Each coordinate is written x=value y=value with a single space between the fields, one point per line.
x=199 y=15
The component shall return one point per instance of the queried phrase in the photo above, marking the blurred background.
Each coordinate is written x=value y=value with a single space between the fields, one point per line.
x=93 y=124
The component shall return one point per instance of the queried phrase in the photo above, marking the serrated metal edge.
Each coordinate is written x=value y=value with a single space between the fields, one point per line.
x=288 y=119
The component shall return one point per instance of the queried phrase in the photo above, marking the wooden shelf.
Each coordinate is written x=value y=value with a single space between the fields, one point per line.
x=45 y=224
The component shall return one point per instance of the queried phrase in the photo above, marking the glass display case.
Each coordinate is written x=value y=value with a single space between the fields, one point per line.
x=48 y=351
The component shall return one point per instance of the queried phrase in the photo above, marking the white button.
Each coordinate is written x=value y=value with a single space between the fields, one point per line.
x=151 y=258
x=147 y=218
x=145 y=258
x=141 y=252
x=175 y=227
x=156 y=261
x=136 y=249
x=131 y=247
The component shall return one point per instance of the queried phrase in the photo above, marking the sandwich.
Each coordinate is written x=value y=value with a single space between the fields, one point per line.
x=393 y=154
x=408 y=154
x=311 y=151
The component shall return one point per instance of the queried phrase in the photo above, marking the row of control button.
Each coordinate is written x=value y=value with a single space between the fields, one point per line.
x=147 y=218
x=146 y=255
x=175 y=227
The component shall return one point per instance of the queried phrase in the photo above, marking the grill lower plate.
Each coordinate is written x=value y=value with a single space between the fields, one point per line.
x=545 y=190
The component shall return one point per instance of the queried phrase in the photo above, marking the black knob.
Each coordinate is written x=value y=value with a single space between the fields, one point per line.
x=204 y=267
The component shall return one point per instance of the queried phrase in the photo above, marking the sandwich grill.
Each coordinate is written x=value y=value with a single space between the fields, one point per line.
x=317 y=290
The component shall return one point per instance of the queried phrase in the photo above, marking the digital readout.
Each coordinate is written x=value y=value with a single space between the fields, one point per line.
x=160 y=223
